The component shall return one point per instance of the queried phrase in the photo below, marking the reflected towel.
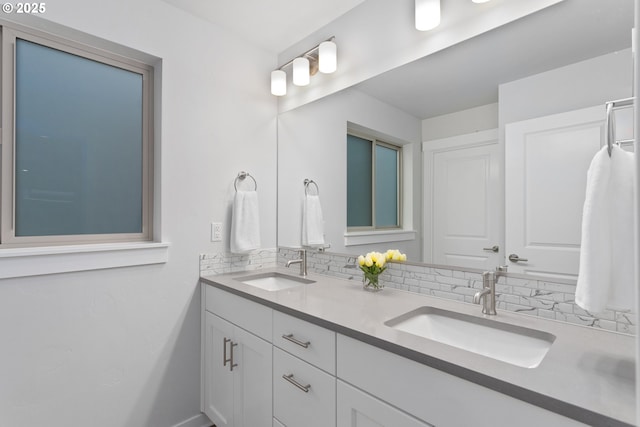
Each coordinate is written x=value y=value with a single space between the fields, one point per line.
x=245 y=222
x=312 y=222
x=606 y=276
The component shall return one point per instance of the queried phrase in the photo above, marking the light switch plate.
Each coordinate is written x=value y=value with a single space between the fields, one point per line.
x=216 y=232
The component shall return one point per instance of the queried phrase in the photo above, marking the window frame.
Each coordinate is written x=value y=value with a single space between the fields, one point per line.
x=376 y=141
x=8 y=238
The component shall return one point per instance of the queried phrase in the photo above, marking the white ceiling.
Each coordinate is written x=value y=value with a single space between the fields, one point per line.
x=274 y=25
x=468 y=75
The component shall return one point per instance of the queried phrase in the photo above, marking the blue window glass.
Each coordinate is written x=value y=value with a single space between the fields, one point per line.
x=386 y=178
x=78 y=149
x=359 y=183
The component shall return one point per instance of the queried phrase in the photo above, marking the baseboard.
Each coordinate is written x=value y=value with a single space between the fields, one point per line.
x=200 y=420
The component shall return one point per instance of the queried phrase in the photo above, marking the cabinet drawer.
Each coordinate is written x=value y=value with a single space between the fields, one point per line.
x=251 y=316
x=309 y=342
x=292 y=405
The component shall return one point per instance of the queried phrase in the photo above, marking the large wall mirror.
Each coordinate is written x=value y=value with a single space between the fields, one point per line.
x=497 y=134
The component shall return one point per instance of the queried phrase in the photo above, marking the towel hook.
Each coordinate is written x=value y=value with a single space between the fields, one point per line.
x=241 y=176
x=307 y=183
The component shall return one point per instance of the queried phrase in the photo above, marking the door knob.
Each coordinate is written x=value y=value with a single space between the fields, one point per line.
x=516 y=258
x=494 y=248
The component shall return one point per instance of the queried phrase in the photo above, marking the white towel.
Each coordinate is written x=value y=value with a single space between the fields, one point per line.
x=245 y=222
x=312 y=222
x=606 y=277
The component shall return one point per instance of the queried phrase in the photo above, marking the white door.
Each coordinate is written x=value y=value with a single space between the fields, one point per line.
x=253 y=381
x=546 y=160
x=218 y=378
x=462 y=201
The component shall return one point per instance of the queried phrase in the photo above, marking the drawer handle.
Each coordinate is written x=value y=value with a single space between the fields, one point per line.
x=294 y=340
x=304 y=388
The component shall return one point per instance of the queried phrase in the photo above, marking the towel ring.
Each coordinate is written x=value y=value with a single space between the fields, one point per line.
x=241 y=176
x=308 y=182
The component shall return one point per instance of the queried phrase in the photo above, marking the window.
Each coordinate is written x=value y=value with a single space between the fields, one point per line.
x=77 y=152
x=373 y=183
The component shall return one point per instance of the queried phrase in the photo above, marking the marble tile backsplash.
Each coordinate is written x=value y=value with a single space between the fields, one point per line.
x=226 y=262
x=544 y=298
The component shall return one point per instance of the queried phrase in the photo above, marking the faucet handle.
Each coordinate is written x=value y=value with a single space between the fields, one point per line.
x=502 y=268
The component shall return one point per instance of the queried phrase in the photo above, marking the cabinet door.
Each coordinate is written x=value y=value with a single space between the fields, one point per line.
x=358 y=409
x=252 y=380
x=218 y=379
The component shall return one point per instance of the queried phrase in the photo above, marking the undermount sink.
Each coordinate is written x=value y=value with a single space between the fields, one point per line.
x=516 y=345
x=273 y=281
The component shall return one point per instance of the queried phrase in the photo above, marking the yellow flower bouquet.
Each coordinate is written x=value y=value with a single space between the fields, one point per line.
x=374 y=263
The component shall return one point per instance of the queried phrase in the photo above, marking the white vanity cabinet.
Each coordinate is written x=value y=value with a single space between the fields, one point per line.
x=262 y=367
x=304 y=383
x=236 y=361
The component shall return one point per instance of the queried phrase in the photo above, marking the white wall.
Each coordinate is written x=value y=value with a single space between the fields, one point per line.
x=121 y=347
x=476 y=119
x=312 y=144
x=583 y=84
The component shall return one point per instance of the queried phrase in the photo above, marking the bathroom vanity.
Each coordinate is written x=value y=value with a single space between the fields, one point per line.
x=279 y=351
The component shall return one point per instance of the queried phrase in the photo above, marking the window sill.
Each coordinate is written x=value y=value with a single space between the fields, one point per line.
x=23 y=262
x=355 y=238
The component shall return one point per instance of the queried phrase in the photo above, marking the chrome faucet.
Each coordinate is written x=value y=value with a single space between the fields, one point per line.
x=488 y=293
x=302 y=261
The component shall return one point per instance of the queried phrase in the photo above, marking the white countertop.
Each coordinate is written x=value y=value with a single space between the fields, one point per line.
x=588 y=373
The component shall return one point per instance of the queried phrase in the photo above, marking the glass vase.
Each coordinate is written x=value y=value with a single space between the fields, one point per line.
x=372 y=283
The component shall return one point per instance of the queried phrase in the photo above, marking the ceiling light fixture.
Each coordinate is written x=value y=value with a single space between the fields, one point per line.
x=480 y=1
x=322 y=57
x=427 y=14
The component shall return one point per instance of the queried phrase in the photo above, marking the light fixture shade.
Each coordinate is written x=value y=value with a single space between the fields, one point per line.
x=327 y=56
x=278 y=83
x=301 y=71
x=479 y=1
x=427 y=14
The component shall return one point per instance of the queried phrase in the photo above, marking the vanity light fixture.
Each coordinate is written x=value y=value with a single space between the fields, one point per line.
x=301 y=71
x=480 y=1
x=322 y=57
x=427 y=14
x=327 y=57
x=278 y=82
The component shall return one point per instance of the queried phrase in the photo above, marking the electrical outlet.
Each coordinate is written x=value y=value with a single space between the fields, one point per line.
x=216 y=232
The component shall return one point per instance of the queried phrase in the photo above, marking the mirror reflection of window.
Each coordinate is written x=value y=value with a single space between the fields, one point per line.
x=373 y=183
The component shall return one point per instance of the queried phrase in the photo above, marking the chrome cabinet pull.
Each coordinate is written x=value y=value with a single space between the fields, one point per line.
x=304 y=388
x=516 y=258
x=494 y=248
x=229 y=360
x=224 y=352
x=233 y=365
x=294 y=340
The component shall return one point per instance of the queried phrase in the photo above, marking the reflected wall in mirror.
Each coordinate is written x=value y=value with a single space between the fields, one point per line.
x=498 y=132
